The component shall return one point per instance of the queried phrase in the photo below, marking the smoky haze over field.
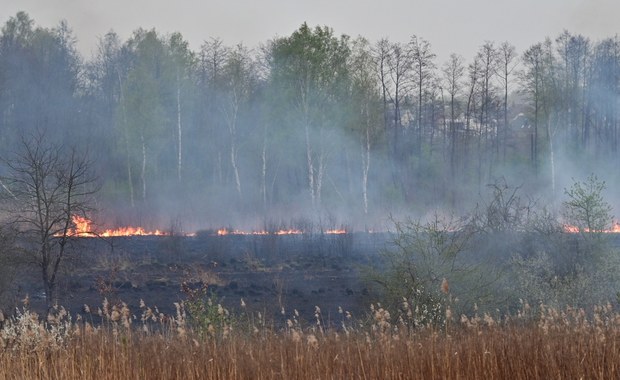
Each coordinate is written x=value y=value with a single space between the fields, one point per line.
x=312 y=129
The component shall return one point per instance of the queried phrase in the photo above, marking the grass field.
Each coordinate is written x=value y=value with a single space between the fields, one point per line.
x=538 y=343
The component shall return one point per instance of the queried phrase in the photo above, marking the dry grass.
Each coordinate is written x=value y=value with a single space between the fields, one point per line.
x=551 y=344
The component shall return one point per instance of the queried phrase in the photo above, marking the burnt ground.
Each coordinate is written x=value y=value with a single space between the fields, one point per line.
x=269 y=272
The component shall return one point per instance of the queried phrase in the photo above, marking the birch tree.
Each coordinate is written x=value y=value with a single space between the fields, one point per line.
x=310 y=66
x=142 y=92
x=239 y=77
x=213 y=55
x=366 y=104
x=182 y=65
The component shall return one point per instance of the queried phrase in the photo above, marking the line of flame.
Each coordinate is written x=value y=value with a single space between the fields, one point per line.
x=84 y=228
x=615 y=228
x=226 y=231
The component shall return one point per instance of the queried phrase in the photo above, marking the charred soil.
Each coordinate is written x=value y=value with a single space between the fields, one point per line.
x=269 y=272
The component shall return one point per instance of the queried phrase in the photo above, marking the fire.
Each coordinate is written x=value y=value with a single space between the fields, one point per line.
x=336 y=232
x=131 y=231
x=226 y=231
x=288 y=232
x=615 y=228
x=84 y=228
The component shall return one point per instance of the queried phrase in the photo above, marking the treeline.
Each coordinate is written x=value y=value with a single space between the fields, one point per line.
x=311 y=124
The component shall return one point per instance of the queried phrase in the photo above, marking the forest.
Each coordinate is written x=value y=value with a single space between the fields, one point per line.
x=331 y=207
x=314 y=125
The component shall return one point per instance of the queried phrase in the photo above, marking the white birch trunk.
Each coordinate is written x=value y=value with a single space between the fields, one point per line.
x=551 y=156
x=365 y=168
x=310 y=166
x=179 y=132
x=143 y=174
x=319 y=178
x=231 y=112
x=263 y=183
x=127 y=151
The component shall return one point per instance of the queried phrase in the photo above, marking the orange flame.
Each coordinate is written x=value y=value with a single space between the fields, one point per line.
x=292 y=231
x=615 y=228
x=83 y=228
x=336 y=232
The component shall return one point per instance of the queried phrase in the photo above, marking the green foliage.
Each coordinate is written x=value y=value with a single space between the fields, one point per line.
x=502 y=252
x=541 y=278
x=586 y=208
x=207 y=316
x=424 y=264
x=578 y=268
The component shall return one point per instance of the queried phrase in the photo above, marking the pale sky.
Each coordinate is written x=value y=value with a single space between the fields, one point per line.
x=459 y=26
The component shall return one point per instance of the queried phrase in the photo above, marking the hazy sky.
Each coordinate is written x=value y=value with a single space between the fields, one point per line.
x=450 y=25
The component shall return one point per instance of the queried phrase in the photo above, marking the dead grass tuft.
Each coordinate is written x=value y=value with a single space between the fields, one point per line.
x=545 y=343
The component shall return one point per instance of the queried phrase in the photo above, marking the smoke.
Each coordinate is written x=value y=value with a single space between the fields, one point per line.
x=203 y=139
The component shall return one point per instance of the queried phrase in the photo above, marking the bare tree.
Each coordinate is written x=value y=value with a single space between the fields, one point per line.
x=400 y=65
x=453 y=71
x=506 y=65
x=213 y=56
x=531 y=78
x=381 y=54
x=423 y=65
x=473 y=82
x=46 y=185
x=487 y=55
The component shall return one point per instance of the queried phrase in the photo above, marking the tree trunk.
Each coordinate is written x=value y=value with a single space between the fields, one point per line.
x=127 y=151
x=235 y=166
x=179 y=132
x=365 y=148
x=310 y=166
x=505 y=134
x=263 y=179
x=551 y=156
x=143 y=172
x=129 y=175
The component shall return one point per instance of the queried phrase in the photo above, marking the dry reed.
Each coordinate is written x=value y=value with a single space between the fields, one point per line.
x=546 y=344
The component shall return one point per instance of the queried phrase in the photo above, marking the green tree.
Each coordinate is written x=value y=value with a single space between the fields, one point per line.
x=143 y=103
x=310 y=70
x=213 y=54
x=183 y=65
x=586 y=208
x=365 y=108
x=39 y=84
x=239 y=80
x=427 y=256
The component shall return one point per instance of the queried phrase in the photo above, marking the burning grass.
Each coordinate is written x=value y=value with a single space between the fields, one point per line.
x=547 y=343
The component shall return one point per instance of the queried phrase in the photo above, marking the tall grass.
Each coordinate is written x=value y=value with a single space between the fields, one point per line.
x=544 y=344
